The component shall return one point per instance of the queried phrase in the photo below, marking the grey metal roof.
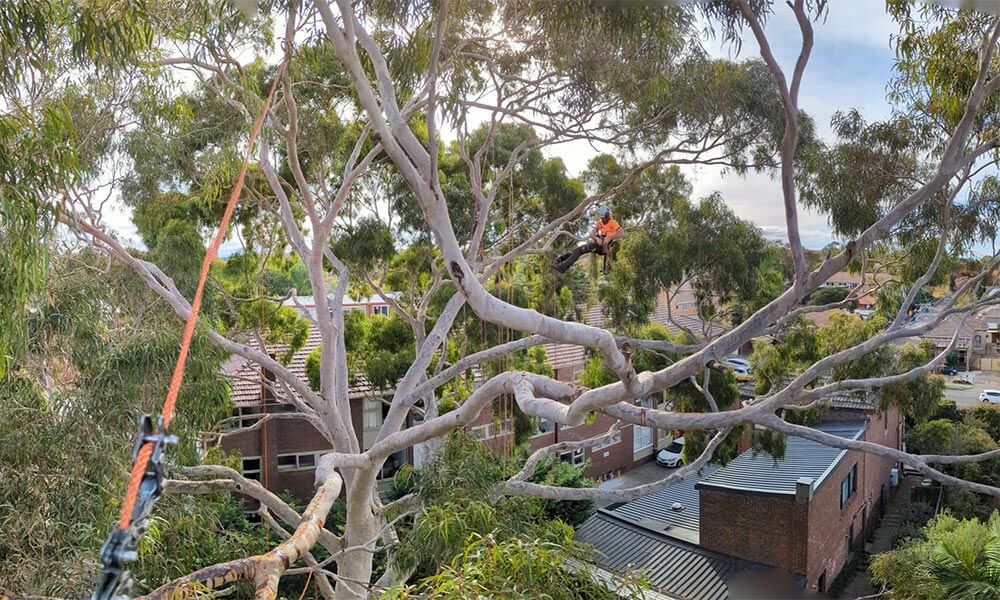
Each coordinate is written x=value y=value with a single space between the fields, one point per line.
x=654 y=512
x=760 y=472
x=675 y=568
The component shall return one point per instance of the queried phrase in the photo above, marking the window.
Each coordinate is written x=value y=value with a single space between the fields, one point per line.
x=251 y=468
x=848 y=486
x=381 y=309
x=483 y=432
x=606 y=443
x=489 y=431
x=642 y=436
x=573 y=457
x=296 y=462
x=372 y=414
x=979 y=341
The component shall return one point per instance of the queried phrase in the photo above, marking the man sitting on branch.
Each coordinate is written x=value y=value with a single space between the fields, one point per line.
x=605 y=231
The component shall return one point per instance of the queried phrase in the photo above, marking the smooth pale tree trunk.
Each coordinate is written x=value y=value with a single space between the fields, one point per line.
x=355 y=568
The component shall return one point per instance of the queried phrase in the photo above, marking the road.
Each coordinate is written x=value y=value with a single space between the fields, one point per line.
x=963 y=395
x=968 y=395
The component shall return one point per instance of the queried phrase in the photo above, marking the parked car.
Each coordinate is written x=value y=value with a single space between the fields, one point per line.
x=736 y=361
x=949 y=371
x=671 y=455
x=991 y=396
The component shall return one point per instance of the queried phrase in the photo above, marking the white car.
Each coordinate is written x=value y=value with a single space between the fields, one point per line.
x=991 y=396
x=736 y=361
x=671 y=455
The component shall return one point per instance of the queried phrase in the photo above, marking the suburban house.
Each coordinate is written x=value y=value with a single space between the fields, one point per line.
x=760 y=521
x=869 y=284
x=282 y=453
x=843 y=279
x=991 y=331
x=971 y=333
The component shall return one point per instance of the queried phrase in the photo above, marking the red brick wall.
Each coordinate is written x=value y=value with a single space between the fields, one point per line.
x=804 y=539
x=765 y=528
x=829 y=526
x=610 y=460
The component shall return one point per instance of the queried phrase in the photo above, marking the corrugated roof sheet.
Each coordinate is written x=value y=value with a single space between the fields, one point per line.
x=673 y=567
x=760 y=472
x=654 y=512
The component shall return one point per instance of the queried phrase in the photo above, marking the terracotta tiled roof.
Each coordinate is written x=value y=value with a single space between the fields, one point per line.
x=565 y=355
x=945 y=330
x=244 y=375
x=594 y=315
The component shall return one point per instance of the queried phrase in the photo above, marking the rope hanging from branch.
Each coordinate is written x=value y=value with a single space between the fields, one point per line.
x=145 y=480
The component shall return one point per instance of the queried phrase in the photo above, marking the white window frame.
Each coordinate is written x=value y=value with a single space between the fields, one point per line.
x=371 y=412
x=483 y=432
x=380 y=309
x=642 y=434
x=577 y=458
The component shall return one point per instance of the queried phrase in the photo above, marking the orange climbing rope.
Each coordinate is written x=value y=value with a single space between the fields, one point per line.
x=146 y=451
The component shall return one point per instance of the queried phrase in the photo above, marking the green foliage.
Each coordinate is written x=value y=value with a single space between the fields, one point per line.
x=705 y=243
x=828 y=295
x=919 y=397
x=368 y=243
x=68 y=419
x=970 y=435
x=52 y=135
x=953 y=559
x=516 y=569
x=456 y=490
x=932 y=437
x=563 y=474
x=380 y=347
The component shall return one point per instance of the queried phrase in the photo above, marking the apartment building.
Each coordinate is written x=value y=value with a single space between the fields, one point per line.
x=787 y=524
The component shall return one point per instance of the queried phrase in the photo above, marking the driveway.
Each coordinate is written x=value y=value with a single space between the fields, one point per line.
x=643 y=474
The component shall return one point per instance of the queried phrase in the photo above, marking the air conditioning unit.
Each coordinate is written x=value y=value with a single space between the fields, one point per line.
x=893 y=477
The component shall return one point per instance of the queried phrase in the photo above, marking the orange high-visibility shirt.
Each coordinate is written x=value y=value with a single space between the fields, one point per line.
x=607 y=229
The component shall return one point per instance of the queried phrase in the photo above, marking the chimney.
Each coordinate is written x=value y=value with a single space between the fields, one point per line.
x=804 y=489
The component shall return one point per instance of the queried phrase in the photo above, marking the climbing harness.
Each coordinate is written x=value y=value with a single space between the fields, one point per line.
x=146 y=480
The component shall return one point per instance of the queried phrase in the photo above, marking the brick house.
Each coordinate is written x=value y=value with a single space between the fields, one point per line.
x=283 y=453
x=797 y=519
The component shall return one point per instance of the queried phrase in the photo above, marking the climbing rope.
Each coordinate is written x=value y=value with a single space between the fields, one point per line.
x=145 y=481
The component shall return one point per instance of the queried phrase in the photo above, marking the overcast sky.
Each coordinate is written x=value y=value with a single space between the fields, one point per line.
x=851 y=63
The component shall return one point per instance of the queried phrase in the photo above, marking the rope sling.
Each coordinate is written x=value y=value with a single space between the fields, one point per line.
x=145 y=483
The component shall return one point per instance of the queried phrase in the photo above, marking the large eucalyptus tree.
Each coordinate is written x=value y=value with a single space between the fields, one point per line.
x=356 y=142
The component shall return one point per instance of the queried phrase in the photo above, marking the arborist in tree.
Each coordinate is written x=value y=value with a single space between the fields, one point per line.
x=606 y=231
